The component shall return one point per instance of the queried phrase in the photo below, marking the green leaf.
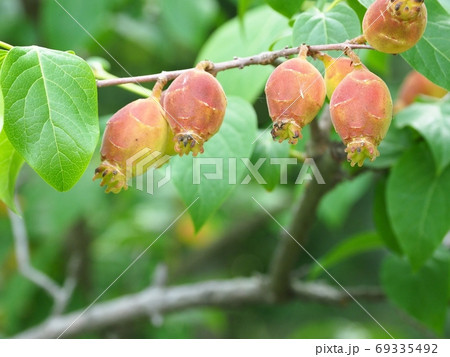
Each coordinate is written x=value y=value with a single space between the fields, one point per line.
x=366 y=3
x=431 y=55
x=392 y=147
x=336 y=205
x=381 y=219
x=287 y=8
x=358 y=8
x=422 y=293
x=243 y=6
x=2 y=108
x=418 y=204
x=232 y=142
x=262 y=26
x=315 y=27
x=358 y=244
x=432 y=121
x=3 y=54
x=266 y=148
x=188 y=22
x=50 y=112
x=445 y=4
x=10 y=164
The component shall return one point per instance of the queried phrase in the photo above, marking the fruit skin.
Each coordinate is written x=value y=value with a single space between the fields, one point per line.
x=295 y=93
x=195 y=106
x=361 y=112
x=140 y=125
x=336 y=69
x=394 y=26
x=414 y=85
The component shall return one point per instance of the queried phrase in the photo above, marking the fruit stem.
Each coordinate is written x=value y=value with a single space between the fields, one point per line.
x=5 y=45
x=205 y=66
x=303 y=51
x=360 y=40
x=357 y=64
x=326 y=59
x=158 y=88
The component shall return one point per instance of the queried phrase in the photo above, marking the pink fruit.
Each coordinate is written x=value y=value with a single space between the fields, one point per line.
x=414 y=85
x=195 y=105
x=335 y=71
x=394 y=26
x=295 y=93
x=140 y=129
x=361 y=112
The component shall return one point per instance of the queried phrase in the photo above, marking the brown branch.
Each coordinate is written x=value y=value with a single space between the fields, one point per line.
x=264 y=58
x=159 y=300
x=290 y=246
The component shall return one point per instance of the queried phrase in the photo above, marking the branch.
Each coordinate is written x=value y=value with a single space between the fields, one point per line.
x=264 y=58
x=159 y=300
x=288 y=251
x=60 y=295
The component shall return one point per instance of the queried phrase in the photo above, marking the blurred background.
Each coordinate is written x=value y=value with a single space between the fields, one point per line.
x=109 y=231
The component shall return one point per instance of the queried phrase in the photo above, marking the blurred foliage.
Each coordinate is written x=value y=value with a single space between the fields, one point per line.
x=108 y=231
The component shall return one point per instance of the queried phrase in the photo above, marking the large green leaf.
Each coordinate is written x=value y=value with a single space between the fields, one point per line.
x=2 y=107
x=232 y=142
x=262 y=26
x=432 y=121
x=357 y=7
x=243 y=6
x=10 y=164
x=315 y=27
x=422 y=293
x=418 y=204
x=50 y=112
x=3 y=54
x=335 y=207
x=358 y=244
x=431 y=55
x=190 y=26
x=366 y=3
x=392 y=147
x=287 y=8
x=445 y=4
x=381 y=218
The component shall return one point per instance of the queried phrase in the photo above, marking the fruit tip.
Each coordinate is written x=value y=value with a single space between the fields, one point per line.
x=286 y=129
x=111 y=177
x=188 y=142
x=360 y=149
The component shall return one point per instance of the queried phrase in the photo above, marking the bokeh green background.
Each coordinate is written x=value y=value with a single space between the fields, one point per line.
x=109 y=231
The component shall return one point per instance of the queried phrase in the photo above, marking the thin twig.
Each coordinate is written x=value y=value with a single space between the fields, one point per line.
x=224 y=293
x=60 y=295
x=264 y=58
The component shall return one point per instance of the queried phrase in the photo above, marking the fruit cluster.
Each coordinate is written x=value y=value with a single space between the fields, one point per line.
x=360 y=102
x=192 y=109
x=141 y=134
